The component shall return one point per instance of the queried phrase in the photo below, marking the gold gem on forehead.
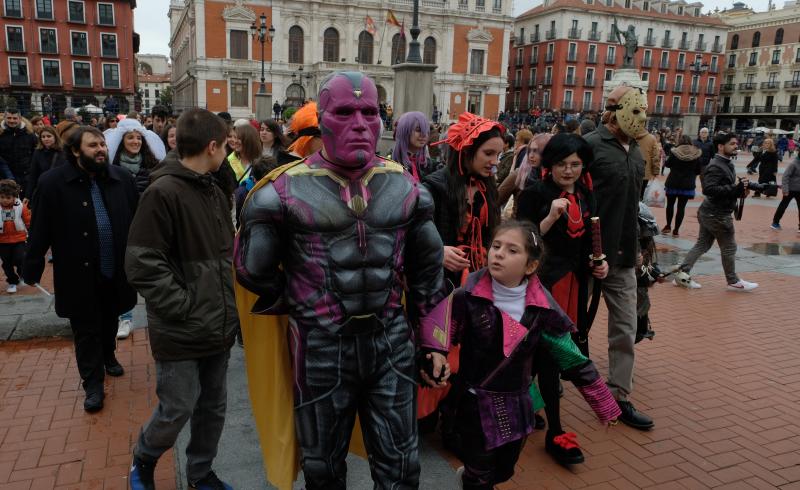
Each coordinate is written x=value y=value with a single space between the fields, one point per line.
x=357 y=93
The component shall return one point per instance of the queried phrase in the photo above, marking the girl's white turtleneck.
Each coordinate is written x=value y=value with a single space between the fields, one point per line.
x=510 y=300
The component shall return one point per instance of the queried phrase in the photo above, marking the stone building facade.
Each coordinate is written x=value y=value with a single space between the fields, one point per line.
x=217 y=64
x=761 y=81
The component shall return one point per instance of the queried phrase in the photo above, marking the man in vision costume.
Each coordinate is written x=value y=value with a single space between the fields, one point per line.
x=332 y=241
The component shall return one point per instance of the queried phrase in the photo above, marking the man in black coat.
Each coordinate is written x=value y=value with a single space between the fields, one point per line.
x=706 y=146
x=618 y=171
x=16 y=146
x=83 y=212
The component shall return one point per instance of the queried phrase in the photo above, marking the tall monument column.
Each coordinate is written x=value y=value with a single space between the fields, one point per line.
x=413 y=80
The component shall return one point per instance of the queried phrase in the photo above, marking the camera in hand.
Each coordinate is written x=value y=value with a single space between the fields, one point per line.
x=769 y=189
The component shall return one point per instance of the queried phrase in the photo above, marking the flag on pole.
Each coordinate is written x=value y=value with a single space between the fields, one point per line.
x=370 y=25
x=391 y=19
x=403 y=29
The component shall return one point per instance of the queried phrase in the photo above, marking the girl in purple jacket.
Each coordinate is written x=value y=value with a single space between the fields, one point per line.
x=501 y=318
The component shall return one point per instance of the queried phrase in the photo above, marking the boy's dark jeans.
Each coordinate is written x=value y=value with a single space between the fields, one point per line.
x=12 y=255
x=194 y=389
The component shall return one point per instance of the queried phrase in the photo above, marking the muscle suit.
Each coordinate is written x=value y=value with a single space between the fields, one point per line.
x=332 y=242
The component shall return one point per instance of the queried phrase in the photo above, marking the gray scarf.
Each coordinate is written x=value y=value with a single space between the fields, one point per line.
x=132 y=163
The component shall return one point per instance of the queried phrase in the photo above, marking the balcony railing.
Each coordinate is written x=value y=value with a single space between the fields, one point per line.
x=611 y=60
x=588 y=82
x=531 y=82
x=764 y=109
x=520 y=61
x=569 y=81
x=793 y=84
x=710 y=91
x=747 y=86
x=650 y=41
x=591 y=59
x=547 y=81
x=574 y=33
x=519 y=41
x=725 y=109
x=15 y=45
x=678 y=87
x=567 y=105
x=674 y=110
x=713 y=69
x=727 y=87
x=667 y=42
x=694 y=90
x=534 y=59
x=685 y=44
x=517 y=83
x=572 y=56
x=662 y=87
x=548 y=58
x=716 y=48
x=776 y=61
x=701 y=46
x=771 y=85
x=659 y=109
x=594 y=35
x=664 y=65
x=743 y=108
x=751 y=63
x=550 y=34
x=535 y=37
x=787 y=108
x=647 y=63
x=731 y=64
x=612 y=38
x=681 y=66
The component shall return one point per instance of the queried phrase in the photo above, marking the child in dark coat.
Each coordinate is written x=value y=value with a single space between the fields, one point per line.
x=500 y=318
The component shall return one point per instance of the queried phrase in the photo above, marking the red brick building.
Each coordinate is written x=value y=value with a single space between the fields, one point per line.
x=60 y=53
x=563 y=51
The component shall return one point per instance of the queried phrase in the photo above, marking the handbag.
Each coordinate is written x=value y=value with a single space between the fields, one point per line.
x=505 y=416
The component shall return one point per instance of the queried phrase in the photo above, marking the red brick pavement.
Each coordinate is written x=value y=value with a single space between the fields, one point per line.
x=722 y=381
x=48 y=442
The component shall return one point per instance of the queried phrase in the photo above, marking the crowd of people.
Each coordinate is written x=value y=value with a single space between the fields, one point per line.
x=423 y=289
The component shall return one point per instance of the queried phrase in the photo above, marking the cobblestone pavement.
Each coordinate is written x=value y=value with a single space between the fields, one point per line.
x=721 y=379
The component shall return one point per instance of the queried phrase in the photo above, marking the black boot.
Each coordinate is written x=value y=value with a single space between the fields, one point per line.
x=632 y=417
x=563 y=447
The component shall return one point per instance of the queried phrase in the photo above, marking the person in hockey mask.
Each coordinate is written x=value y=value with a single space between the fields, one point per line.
x=617 y=174
x=334 y=241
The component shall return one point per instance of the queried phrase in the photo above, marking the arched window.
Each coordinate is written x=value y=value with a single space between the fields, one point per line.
x=296 y=44
x=756 y=39
x=398 y=49
x=429 y=51
x=735 y=41
x=330 y=45
x=779 y=36
x=365 y=43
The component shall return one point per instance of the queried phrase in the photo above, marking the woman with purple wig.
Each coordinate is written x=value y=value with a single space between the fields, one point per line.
x=411 y=140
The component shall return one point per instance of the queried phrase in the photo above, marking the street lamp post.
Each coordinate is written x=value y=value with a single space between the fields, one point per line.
x=413 y=46
x=264 y=35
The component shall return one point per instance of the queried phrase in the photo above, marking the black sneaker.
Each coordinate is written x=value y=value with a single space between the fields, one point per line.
x=538 y=422
x=93 y=402
x=210 y=482
x=113 y=368
x=564 y=448
x=633 y=418
x=141 y=475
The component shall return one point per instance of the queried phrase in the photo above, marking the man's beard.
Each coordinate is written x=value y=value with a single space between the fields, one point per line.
x=92 y=166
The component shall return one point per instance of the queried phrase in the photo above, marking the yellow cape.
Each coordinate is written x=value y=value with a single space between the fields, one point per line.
x=269 y=375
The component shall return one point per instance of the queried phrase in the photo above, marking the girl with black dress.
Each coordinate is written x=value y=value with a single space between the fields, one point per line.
x=561 y=205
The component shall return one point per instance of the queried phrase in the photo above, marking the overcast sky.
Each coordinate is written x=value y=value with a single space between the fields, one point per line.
x=152 y=24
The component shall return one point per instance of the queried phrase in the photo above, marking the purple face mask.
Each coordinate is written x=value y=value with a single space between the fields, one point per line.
x=349 y=119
